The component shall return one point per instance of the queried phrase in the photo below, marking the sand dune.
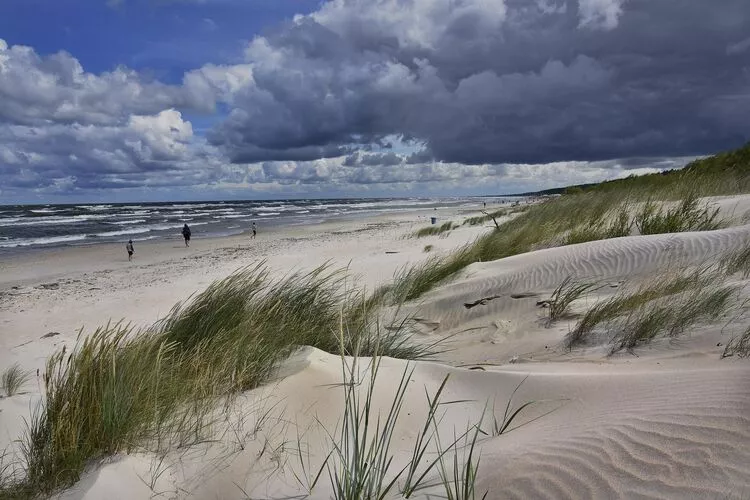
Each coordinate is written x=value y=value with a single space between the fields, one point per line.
x=611 y=431
x=515 y=284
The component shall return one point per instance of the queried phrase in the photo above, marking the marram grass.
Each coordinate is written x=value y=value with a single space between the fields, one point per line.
x=597 y=212
x=13 y=379
x=122 y=389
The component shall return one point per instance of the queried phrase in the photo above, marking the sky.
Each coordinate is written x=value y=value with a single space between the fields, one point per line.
x=151 y=100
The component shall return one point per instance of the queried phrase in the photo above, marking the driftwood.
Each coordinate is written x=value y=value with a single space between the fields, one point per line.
x=485 y=212
x=481 y=302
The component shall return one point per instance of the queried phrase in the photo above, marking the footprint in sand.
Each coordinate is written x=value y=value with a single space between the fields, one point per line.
x=499 y=331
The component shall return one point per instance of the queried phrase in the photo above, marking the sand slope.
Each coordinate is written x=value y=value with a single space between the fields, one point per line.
x=511 y=324
x=597 y=431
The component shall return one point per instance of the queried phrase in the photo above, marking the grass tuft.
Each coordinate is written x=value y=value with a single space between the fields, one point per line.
x=13 y=379
x=412 y=282
x=361 y=463
x=481 y=219
x=614 y=225
x=688 y=215
x=564 y=295
x=738 y=262
x=662 y=307
x=738 y=346
x=459 y=479
x=435 y=230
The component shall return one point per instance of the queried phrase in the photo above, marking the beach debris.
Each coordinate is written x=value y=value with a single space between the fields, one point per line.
x=481 y=302
x=513 y=360
x=523 y=295
x=49 y=335
x=49 y=286
x=480 y=368
x=390 y=251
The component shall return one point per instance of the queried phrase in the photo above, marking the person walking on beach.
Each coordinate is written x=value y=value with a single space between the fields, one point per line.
x=255 y=231
x=130 y=249
x=186 y=234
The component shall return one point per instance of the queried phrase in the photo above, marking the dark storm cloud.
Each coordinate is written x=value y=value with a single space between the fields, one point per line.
x=492 y=82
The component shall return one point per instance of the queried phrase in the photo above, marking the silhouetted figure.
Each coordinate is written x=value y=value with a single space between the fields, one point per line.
x=255 y=231
x=130 y=249
x=186 y=234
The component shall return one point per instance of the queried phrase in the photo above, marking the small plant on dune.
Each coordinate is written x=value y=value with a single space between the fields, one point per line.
x=428 y=248
x=670 y=319
x=738 y=346
x=738 y=262
x=460 y=477
x=411 y=282
x=625 y=302
x=502 y=426
x=664 y=307
x=688 y=215
x=360 y=465
x=435 y=230
x=13 y=379
x=564 y=295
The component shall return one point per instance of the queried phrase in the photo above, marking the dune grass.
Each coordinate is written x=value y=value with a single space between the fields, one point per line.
x=665 y=306
x=604 y=210
x=435 y=230
x=564 y=295
x=739 y=346
x=157 y=388
x=738 y=262
x=481 y=219
x=672 y=318
x=615 y=224
x=13 y=378
x=689 y=215
x=412 y=281
x=427 y=248
x=459 y=477
x=361 y=464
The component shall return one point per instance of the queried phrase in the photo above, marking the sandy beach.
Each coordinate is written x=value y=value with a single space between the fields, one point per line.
x=65 y=289
x=672 y=421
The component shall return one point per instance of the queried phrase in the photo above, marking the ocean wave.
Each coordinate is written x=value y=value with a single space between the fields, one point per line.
x=266 y=214
x=41 y=241
x=231 y=216
x=127 y=222
x=95 y=208
x=41 y=221
x=141 y=229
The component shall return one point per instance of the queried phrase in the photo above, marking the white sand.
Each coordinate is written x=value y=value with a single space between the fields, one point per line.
x=672 y=422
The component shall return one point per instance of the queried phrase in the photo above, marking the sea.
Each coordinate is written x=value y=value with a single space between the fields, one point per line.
x=40 y=226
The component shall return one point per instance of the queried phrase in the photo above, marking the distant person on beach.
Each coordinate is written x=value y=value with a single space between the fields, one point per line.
x=255 y=231
x=186 y=234
x=130 y=249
